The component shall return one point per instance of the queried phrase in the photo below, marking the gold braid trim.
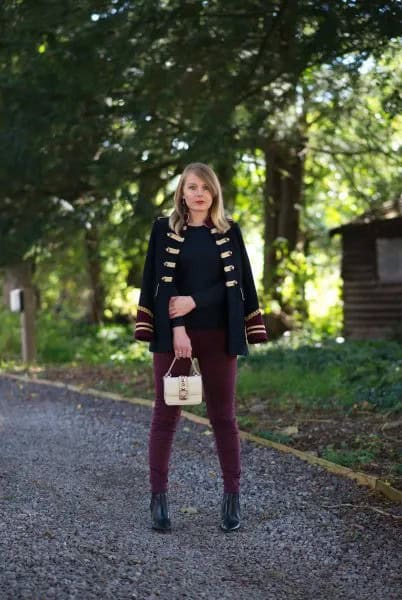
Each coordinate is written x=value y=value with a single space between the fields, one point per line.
x=143 y=326
x=146 y=310
x=253 y=314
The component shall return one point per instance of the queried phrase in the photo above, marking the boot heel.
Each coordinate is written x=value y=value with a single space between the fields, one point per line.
x=230 y=512
x=160 y=517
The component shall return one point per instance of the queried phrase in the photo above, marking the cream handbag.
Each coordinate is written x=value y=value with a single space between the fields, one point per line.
x=184 y=389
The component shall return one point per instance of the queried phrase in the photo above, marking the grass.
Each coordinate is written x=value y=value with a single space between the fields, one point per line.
x=326 y=375
x=348 y=458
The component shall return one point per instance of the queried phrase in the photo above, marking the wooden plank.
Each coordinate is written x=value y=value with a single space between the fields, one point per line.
x=369 y=285
x=386 y=295
x=356 y=277
x=386 y=303
x=368 y=323
x=366 y=331
x=373 y=309
x=359 y=269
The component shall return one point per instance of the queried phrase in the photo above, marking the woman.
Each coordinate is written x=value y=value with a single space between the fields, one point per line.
x=197 y=299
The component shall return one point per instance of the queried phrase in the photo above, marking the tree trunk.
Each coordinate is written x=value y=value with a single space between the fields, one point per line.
x=97 y=296
x=282 y=205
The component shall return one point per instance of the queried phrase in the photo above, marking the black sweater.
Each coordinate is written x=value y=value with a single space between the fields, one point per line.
x=199 y=273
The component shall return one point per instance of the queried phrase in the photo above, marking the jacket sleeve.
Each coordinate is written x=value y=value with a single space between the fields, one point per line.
x=144 y=326
x=203 y=298
x=253 y=321
x=176 y=321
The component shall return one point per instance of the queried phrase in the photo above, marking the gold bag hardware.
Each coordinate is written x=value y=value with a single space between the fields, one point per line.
x=184 y=389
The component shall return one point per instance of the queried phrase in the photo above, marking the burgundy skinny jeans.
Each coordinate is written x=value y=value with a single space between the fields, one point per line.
x=218 y=370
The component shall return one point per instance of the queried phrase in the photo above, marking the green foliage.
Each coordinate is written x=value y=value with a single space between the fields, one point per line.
x=275 y=436
x=10 y=339
x=348 y=458
x=63 y=340
x=246 y=421
x=66 y=341
x=327 y=374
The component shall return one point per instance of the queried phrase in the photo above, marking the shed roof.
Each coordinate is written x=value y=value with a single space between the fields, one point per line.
x=389 y=210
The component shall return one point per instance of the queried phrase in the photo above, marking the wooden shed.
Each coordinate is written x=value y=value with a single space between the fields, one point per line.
x=372 y=273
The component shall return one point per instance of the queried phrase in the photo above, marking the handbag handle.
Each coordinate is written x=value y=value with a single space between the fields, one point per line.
x=192 y=365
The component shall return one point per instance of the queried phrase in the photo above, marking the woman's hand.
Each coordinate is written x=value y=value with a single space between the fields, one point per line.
x=180 y=306
x=181 y=343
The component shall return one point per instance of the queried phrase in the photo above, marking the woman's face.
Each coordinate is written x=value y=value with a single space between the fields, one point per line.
x=197 y=194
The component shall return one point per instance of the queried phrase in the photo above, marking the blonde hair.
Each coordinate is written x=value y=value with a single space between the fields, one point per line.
x=217 y=211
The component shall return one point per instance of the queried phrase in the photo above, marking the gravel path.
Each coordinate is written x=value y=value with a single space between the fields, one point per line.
x=74 y=514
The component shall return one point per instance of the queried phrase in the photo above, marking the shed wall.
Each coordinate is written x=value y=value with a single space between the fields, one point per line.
x=372 y=309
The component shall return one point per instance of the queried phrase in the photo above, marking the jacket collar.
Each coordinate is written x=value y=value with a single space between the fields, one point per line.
x=207 y=223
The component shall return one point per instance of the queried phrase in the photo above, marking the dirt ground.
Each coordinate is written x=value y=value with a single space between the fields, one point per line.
x=375 y=439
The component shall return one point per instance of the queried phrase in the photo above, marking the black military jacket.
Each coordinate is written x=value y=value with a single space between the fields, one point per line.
x=153 y=324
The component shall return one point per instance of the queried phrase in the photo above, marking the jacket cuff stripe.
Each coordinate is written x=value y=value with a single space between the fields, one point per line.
x=142 y=325
x=253 y=314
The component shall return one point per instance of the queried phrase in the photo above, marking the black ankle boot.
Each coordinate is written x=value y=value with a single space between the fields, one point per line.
x=230 y=511
x=160 y=512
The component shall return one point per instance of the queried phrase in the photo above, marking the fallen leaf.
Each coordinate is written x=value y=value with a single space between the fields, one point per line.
x=291 y=430
x=189 y=510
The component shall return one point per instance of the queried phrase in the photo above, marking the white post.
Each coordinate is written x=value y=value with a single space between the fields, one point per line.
x=22 y=299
